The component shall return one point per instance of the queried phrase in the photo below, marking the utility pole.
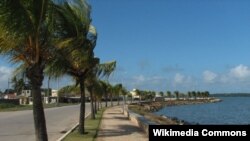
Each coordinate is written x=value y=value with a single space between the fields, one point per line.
x=57 y=91
x=48 y=89
x=8 y=90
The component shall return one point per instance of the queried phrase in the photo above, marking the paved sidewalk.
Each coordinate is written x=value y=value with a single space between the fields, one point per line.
x=115 y=126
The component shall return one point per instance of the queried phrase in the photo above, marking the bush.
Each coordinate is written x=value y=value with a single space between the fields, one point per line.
x=7 y=105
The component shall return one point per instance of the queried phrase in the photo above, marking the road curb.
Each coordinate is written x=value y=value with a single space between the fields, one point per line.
x=73 y=128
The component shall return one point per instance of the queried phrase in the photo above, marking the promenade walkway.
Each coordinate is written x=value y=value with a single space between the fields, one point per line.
x=115 y=126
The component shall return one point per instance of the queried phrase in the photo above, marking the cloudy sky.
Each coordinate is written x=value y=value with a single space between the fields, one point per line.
x=172 y=44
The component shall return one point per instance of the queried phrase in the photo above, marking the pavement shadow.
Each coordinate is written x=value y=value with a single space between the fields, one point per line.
x=120 y=131
x=116 y=117
x=113 y=113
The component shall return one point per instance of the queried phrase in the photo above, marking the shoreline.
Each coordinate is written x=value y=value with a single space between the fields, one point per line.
x=146 y=109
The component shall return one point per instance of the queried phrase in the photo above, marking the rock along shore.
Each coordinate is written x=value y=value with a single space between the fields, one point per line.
x=146 y=108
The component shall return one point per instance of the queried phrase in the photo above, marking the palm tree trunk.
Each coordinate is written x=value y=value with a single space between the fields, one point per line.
x=92 y=103
x=35 y=75
x=81 y=128
x=98 y=105
x=118 y=103
x=111 y=99
x=106 y=100
x=95 y=105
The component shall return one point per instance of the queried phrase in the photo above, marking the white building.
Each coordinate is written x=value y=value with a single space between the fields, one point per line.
x=54 y=93
x=134 y=94
x=26 y=93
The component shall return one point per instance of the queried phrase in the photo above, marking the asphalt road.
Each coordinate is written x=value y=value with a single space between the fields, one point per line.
x=19 y=126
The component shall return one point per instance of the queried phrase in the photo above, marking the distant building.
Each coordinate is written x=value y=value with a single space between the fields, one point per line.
x=54 y=93
x=134 y=94
x=10 y=96
x=26 y=93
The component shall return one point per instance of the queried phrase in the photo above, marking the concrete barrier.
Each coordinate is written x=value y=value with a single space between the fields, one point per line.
x=139 y=120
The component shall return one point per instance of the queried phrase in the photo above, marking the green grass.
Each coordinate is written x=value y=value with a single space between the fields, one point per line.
x=91 y=128
x=5 y=107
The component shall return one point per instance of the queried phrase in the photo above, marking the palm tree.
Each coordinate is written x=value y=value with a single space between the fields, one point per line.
x=116 y=91
x=28 y=24
x=177 y=94
x=189 y=94
x=169 y=94
x=92 y=82
x=124 y=92
x=111 y=93
x=74 y=54
x=104 y=86
x=139 y=93
x=18 y=84
x=194 y=94
x=206 y=94
x=161 y=93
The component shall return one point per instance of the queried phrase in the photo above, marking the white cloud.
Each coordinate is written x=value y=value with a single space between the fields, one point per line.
x=139 y=78
x=179 y=78
x=209 y=76
x=5 y=74
x=240 y=72
x=234 y=79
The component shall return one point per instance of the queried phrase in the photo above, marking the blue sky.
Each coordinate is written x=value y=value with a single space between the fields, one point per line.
x=172 y=44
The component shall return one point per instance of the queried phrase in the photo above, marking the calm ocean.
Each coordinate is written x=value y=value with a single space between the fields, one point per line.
x=232 y=110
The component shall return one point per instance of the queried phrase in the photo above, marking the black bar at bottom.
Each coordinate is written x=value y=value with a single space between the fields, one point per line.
x=157 y=132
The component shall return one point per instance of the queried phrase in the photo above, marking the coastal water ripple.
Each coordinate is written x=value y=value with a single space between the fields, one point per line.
x=232 y=110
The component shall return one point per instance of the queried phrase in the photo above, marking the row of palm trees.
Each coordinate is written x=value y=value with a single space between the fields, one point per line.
x=149 y=95
x=189 y=94
x=55 y=38
x=99 y=90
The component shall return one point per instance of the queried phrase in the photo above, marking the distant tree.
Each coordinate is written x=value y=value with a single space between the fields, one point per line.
x=130 y=96
x=124 y=92
x=153 y=93
x=18 y=85
x=198 y=94
x=206 y=93
x=189 y=94
x=194 y=94
x=9 y=91
x=182 y=95
x=117 y=91
x=69 y=90
x=169 y=94
x=150 y=95
x=161 y=93
x=104 y=86
x=177 y=94
x=139 y=93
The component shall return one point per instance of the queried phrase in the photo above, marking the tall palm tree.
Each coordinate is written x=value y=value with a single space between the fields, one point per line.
x=25 y=36
x=104 y=86
x=117 y=91
x=92 y=82
x=74 y=54
x=38 y=26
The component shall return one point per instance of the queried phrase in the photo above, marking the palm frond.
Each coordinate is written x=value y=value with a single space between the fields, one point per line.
x=106 y=69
